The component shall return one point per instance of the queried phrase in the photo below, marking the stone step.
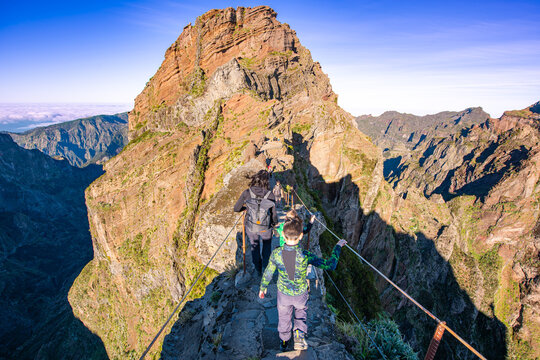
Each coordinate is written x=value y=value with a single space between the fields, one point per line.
x=308 y=354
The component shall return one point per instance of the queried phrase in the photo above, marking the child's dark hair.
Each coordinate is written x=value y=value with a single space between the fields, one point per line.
x=260 y=179
x=292 y=229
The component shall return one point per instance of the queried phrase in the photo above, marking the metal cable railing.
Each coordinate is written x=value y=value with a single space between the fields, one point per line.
x=185 y=296
x=441 y=323
x=357 y=319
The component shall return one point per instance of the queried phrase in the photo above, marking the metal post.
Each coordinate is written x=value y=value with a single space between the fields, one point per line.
x=244 y=240
x=435 y=341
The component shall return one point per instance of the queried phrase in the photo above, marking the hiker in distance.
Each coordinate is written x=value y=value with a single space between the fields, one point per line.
x=292 y=263
x=261 y=216
x=277 y=190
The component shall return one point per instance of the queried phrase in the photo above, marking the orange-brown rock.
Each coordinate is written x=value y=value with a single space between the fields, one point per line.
x=465 y=207
x=236 y=77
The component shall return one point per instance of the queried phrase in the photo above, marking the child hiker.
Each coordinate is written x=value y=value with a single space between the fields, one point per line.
x=291 y=215
x=292 y=263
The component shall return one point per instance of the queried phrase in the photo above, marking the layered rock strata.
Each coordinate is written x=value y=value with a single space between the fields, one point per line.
x=235 y=88
x=464 y=217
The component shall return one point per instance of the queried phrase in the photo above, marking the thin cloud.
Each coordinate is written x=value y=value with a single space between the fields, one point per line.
x=20 y=117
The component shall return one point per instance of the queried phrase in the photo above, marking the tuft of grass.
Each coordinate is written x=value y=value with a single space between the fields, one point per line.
x=185 y=316
x=216 y=340
x=231 y=271
x=215 y=297
x=301 y=128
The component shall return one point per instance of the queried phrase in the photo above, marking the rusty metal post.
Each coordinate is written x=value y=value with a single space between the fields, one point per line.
x=244 y=240
x=435 y=341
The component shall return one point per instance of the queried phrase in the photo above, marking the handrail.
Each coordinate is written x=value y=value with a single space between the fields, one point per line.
x=192 y=285
x=398 y=288
x=357 y=319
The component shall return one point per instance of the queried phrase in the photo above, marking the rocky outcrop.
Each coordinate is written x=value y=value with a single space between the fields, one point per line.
x=236 y=90
x=91 y=140
x=44 y=244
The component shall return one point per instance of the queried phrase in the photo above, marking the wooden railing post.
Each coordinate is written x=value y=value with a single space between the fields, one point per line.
x=435 y=341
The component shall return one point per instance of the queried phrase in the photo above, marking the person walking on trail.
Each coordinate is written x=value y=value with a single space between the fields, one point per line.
x=291 y=263
x=261 y=216
x=291 y=215
x=277 y=192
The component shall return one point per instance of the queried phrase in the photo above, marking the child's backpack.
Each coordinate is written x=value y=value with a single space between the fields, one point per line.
x=258 y=212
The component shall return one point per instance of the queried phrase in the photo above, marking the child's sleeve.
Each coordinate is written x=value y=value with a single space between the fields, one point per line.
x=324 y=264
x=268 y=272
x=279 y=230
x=307 y=227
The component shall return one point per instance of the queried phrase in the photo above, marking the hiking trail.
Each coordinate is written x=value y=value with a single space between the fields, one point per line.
x=231 y=322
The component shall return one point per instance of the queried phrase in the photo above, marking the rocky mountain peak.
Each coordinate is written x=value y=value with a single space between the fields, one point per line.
x=207 y=54
x=236 y=92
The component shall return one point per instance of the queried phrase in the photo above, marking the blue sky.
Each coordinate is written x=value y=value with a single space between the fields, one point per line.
x=412 y=56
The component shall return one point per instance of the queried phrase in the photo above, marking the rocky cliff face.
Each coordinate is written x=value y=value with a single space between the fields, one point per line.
x=91 y=140
x=45 y=243
x=464 y=214
x=235 y=90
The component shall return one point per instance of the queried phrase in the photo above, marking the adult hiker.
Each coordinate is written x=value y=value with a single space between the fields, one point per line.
x=261 y=216
x=292 y=263
x=277 y=192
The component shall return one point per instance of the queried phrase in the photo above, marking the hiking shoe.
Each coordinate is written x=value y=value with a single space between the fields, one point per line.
x=300 y=340
x=283 y=345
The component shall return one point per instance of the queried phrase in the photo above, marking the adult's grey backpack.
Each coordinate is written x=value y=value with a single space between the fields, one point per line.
x=258 y=212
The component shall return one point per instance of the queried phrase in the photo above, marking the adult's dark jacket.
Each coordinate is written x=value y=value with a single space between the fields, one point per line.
x=260 y=192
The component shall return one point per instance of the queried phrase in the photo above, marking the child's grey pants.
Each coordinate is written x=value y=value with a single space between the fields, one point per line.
x=285 y=306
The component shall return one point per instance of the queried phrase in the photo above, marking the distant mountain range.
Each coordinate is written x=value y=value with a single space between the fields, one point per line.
x=393 y=130
x=91 y=140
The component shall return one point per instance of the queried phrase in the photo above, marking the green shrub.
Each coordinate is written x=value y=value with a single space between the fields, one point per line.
x=356 y=282
x=214 y=298
x=384 y=333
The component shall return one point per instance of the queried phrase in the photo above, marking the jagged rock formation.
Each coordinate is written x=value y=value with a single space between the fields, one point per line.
x=468 y=203
x=236 y=82
x=44 y=244
x=397 y=133
x=238 y=90
x=91 y=140
x=393 y=130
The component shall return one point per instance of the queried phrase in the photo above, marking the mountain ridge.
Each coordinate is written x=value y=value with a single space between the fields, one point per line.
x=187 y=136
x=91 y=140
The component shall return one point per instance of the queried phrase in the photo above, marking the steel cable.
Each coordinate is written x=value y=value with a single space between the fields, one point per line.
x=192 y=285
x=357 y=319
x=397 y=287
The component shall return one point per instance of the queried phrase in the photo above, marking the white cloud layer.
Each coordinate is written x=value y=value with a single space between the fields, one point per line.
x=20 y=117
